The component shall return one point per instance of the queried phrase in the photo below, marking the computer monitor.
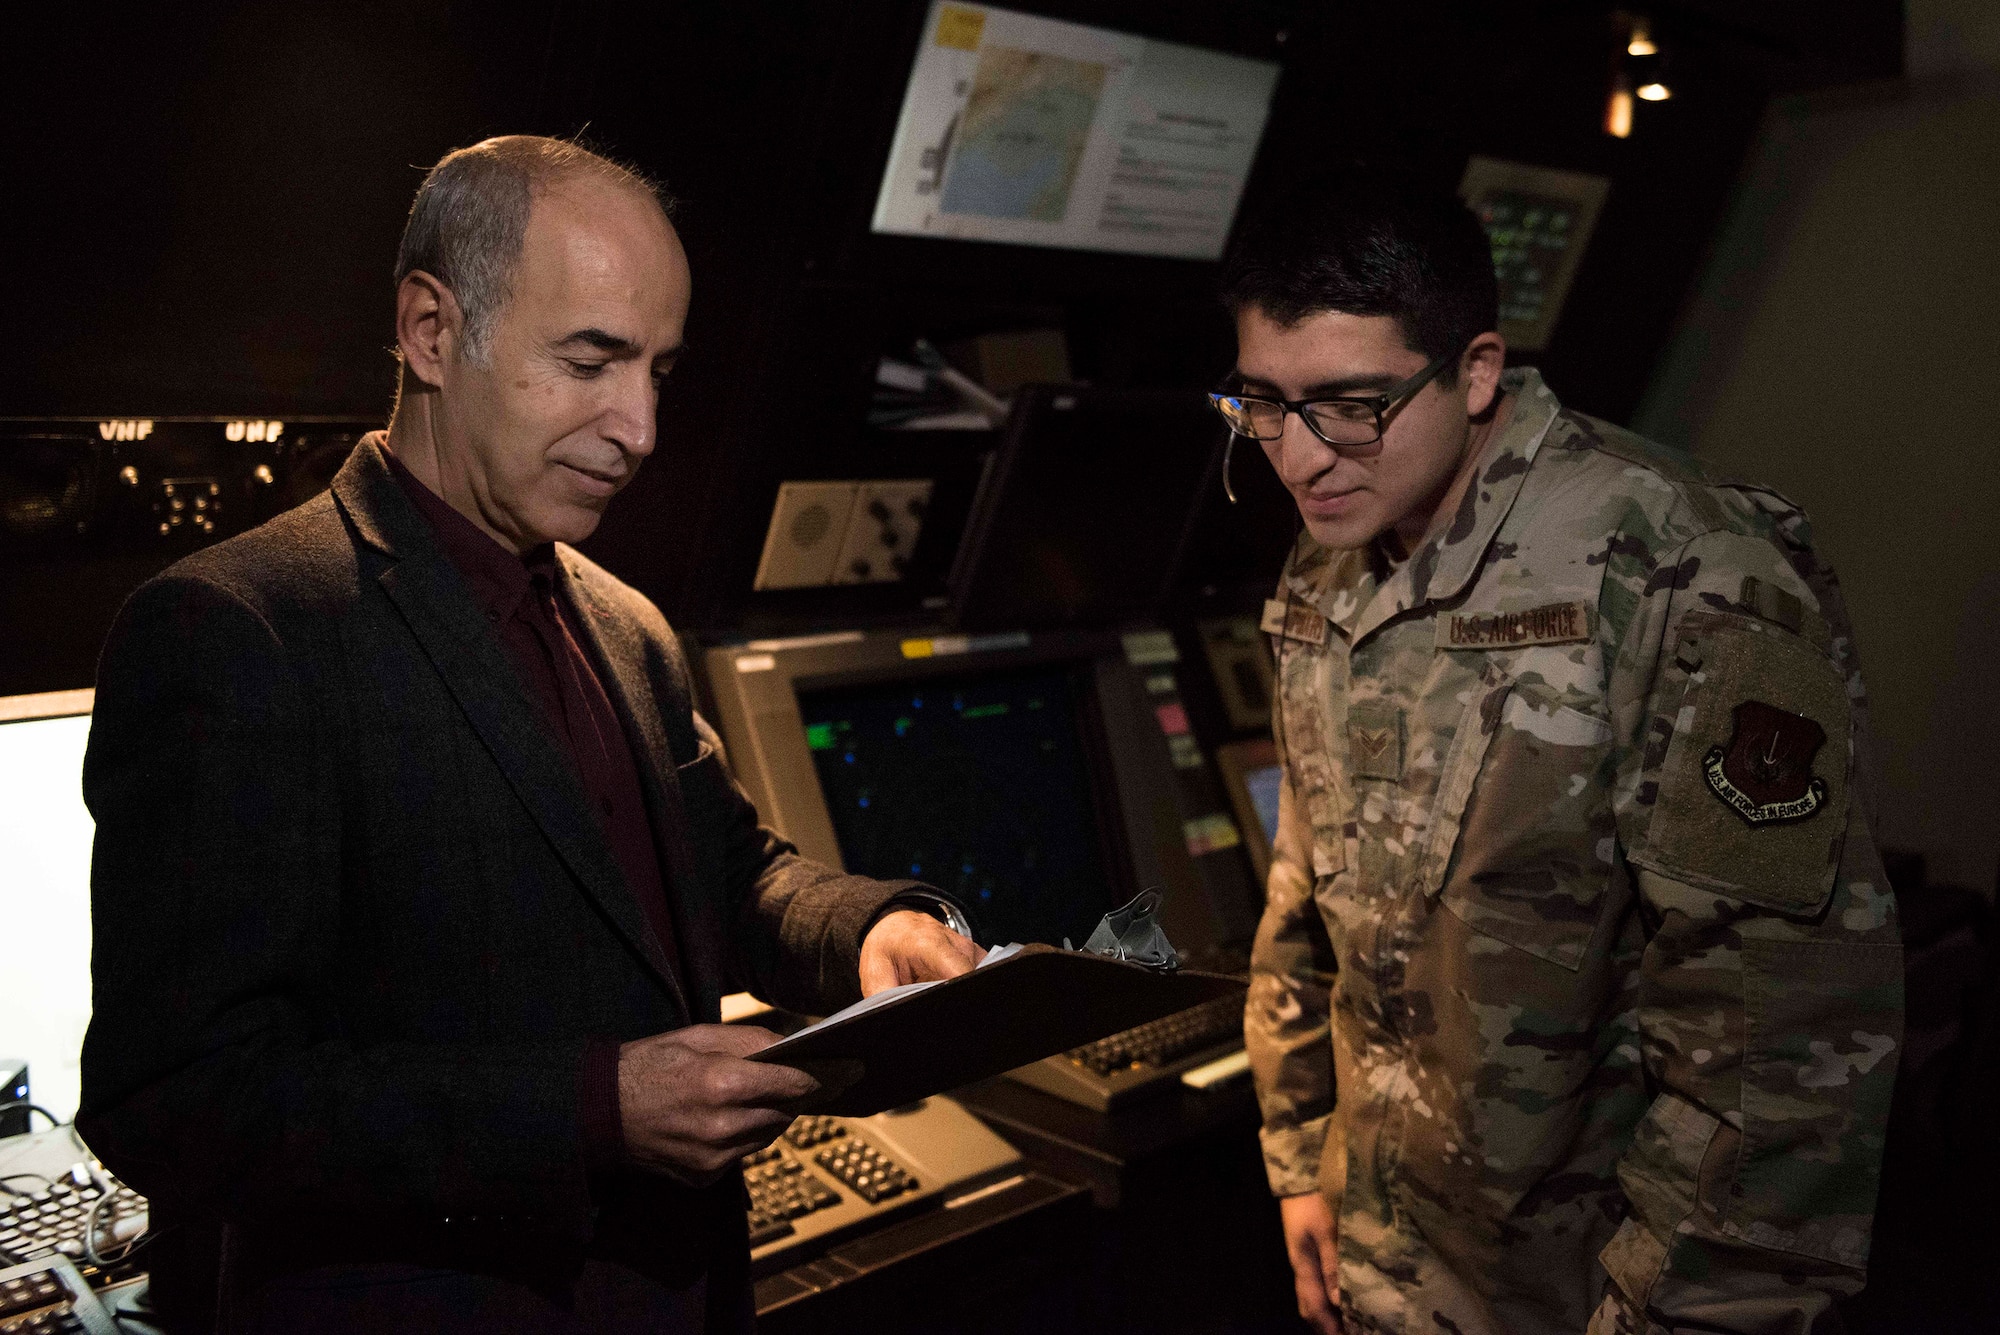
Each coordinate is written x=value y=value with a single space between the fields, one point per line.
x=45 y=838
x=1029 y=130
x=1083 y=516
x=1253 y=776
x=1027 y=773
x=924 y=779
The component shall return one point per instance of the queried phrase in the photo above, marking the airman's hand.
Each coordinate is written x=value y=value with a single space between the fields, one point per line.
x=1312 y=1242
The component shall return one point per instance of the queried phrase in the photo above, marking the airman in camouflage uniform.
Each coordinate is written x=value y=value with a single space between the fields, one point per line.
x=1578 y=989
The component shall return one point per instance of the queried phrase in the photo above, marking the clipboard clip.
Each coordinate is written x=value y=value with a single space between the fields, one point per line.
x=1132 y=933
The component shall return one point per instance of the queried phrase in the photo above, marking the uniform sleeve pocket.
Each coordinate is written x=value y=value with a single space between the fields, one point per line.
x=1818 y=1068
x=1535 y=840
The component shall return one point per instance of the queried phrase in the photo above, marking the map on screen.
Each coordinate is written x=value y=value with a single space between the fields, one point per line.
x=1036 y=132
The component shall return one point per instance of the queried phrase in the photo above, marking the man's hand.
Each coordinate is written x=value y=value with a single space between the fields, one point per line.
x=1312 y=1242
x=911 y=947
x=692 y=1105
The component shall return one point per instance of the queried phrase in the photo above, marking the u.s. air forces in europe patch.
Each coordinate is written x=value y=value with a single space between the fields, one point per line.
x=1765 y=773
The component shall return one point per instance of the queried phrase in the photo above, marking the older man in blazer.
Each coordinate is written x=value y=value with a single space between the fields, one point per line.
x=417 y=877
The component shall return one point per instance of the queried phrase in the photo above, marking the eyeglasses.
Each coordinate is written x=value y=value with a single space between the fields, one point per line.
x=1350 y=423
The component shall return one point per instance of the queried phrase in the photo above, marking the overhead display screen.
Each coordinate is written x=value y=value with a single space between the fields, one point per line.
x=1036 y=132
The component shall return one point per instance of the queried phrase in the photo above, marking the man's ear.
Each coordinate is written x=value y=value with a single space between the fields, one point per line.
x=429 y=326
x=1483 y=361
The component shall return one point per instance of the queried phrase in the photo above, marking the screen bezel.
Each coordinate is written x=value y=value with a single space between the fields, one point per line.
x=754 y=690
x=46 y=704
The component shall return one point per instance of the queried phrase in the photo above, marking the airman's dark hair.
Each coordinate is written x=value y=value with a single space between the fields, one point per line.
x=1369 y=243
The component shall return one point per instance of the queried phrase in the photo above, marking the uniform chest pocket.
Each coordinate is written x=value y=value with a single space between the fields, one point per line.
x=1528 y=810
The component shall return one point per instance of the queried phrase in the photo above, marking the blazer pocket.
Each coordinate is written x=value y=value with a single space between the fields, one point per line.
x=1533 y=841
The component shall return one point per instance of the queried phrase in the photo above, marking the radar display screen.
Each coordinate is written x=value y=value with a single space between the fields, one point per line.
x=980 y=785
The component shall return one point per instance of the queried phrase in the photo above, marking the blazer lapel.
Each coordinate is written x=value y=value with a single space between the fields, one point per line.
x=619 y=649
x=448 y=624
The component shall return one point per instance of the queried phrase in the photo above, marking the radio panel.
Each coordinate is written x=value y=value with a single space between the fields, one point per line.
x=124 y=484
x=91 y=508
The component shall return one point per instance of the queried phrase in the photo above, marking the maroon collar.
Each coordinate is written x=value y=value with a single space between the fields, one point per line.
x=499 y=579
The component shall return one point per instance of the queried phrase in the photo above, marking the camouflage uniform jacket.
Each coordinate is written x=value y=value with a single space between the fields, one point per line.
x=1578 y=988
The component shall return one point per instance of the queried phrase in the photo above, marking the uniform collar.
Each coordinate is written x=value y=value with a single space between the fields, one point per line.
x=1357 y=591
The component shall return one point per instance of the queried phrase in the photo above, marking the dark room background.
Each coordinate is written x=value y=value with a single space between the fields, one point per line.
x=203 y=204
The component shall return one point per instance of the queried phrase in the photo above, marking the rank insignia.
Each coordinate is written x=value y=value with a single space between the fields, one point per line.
x=1765 y=773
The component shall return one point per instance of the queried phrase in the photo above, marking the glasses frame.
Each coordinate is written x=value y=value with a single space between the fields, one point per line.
x=1381 y=404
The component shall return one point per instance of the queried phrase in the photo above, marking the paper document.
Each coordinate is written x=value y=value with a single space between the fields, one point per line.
x=1021 y=1004
x=887 y=995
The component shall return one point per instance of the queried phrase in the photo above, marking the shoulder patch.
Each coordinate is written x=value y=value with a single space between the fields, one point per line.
x=1751 y=798
x=1552 y=623
x=1765 y=772
x=1293 y=621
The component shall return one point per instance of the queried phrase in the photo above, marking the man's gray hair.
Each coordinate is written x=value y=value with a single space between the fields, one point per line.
x=470 y=218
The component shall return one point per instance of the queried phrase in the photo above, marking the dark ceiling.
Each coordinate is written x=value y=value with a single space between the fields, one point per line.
x=204 y=200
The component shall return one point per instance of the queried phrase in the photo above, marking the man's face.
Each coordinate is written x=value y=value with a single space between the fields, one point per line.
x=560 y=414
x=1350 y=502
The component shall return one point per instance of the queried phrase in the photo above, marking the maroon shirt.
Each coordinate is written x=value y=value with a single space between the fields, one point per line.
x=536 y=624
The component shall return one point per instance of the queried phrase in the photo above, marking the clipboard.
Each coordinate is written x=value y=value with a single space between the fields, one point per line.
x=1034 y=1004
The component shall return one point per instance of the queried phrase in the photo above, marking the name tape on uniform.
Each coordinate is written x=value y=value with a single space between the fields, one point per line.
x=1553 y=623
x=1294 y=621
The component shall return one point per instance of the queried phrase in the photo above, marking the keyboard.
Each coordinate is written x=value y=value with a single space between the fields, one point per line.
x=1142 y=1061
x=41 y=1216
x=48 y=1297
x=827 y=1178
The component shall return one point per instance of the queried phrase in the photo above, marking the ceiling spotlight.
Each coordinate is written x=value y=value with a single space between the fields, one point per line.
x=1638 y=72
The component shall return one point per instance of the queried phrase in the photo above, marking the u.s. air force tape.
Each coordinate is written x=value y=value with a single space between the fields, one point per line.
x=1294 y=621
x=1551 y=623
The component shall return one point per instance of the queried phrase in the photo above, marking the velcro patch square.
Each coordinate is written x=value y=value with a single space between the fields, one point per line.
x=1752 y=790
x=1374 y=740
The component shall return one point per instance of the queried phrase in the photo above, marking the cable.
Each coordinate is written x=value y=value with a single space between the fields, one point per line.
x=106 y=1189
x=54 y=1121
